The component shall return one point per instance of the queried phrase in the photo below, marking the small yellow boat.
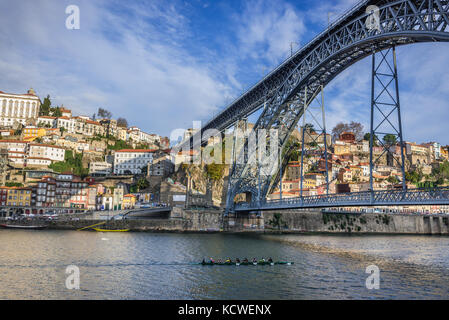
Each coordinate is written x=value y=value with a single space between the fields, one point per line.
x=110 y=230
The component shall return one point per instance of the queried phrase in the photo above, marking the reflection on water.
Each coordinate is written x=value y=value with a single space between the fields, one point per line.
x=160 y=266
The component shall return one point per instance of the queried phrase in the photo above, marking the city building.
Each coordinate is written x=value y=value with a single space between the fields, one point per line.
x=129 y=201
x=54 y=153
x=68 y=124
x=19 y=197
x=46 y=121
x=100 y=168
x=31 y=133
x=132 y=161
x=18 y=108
x=3 y=196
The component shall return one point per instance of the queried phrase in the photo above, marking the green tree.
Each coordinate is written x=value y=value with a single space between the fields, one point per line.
x=393 y=179
x=56 y=112
x=45 y=107
x=72 y=163
x=142 y=184
x=390 y=139
x=367 y=137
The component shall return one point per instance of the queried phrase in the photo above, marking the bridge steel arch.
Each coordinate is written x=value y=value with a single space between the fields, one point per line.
x=348 y=40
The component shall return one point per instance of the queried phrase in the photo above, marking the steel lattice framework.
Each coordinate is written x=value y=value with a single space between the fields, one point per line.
x=281 y=94
x=356 y=199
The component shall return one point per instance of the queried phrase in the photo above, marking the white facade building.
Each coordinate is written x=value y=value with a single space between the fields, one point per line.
x=69 y=124
x=18 y=108
x=54 y=153
x=46 y=121
x=133 y=161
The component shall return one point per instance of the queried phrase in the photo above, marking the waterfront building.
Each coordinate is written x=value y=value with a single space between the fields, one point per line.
x=132 y=161
x=3 y=196
x=18 y=197
x=46 y=192
x=129 y=201
x=18 y=108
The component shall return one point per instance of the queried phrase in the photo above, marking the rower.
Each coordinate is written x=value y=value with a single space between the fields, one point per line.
x=270 y=260
x=228 y=260
x=245 y=260
x=254 y=260
x=204 y=261
x=237 y=260
x=212 y=260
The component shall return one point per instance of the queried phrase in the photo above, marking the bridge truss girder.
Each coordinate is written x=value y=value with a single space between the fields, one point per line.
x=400 y=23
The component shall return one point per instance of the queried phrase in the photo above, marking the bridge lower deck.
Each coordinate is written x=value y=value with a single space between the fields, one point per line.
x=435 y=196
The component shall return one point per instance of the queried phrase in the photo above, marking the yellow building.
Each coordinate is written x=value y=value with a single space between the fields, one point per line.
x=32 y=133
x=342 y=148
x=129 y=201
x=357 y=172
x=19 y=197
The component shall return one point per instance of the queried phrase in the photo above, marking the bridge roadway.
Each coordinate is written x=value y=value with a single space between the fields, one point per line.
x=435 y=196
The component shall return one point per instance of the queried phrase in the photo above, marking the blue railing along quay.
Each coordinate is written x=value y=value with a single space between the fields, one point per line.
x=434 y=196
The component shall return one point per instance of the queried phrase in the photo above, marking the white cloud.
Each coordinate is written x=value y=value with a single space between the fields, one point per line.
x=267 y=29
x=154 y=83
x=137 y=61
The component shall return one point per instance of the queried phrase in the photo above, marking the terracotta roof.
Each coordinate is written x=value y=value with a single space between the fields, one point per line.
x=47 y=117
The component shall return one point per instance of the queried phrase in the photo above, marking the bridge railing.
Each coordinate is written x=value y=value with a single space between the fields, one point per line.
x=382 y=197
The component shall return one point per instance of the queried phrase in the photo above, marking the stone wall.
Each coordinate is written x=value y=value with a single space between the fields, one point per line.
x=316 y=221
x=180 y=221
x=292 y=221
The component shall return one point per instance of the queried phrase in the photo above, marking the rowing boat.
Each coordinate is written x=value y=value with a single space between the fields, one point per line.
x=14 y=226
x=110 y=230
x=259 y=263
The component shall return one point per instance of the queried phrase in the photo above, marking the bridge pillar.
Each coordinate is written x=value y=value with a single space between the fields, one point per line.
x=386 y=123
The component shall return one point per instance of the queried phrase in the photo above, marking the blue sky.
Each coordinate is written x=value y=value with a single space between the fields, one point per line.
x=162 y=64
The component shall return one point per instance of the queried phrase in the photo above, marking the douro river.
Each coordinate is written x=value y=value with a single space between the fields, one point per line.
x=34 y=265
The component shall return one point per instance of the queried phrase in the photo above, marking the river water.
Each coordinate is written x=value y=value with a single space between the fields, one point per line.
x=160 y=266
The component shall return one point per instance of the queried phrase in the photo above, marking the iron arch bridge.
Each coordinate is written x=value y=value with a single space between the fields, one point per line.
x=370 y=26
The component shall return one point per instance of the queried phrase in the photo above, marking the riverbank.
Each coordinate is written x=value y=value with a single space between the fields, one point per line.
x=287 y=222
